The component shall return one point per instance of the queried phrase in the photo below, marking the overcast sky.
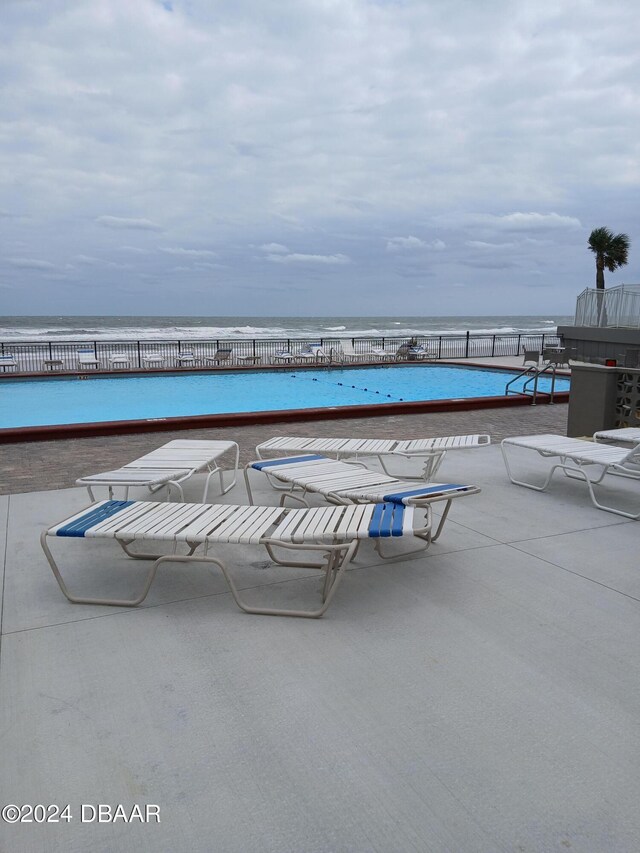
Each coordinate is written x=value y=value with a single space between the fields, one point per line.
x=318 y=157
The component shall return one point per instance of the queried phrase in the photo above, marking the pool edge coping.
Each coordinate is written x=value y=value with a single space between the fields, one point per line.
x=50 y=432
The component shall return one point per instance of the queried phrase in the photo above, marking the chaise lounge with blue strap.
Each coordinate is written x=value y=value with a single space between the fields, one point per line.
x=333 y=533
x=346 y=483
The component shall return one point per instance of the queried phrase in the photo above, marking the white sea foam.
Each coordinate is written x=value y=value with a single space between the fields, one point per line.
x=274 y=328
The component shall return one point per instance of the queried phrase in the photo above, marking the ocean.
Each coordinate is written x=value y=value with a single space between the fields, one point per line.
x=238 y=328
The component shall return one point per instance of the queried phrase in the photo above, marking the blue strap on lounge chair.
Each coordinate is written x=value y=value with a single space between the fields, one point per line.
x=80 y=526
x=288 y=461
x=386 y=521
x=399 y=497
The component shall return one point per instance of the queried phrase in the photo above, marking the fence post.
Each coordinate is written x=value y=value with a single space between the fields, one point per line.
x=518 y=348
x=466 y=346
x=139 y=356
x=493 y=345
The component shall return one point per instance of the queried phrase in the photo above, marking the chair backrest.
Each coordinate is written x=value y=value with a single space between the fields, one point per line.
x=347 y=347
x=7 y=357
x=531 y=355
x=223 y=353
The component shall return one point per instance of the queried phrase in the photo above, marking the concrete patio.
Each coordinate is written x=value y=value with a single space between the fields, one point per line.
x=482 y=697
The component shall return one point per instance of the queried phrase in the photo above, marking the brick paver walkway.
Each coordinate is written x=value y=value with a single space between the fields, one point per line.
x=41 y=465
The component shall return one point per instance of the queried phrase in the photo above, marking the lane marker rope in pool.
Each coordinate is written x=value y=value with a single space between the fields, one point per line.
x=342 y=385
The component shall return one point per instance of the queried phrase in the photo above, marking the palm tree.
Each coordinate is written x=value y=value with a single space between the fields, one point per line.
x=611 y=251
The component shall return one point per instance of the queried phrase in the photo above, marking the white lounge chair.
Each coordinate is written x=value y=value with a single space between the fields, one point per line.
x=352 y=483
x=383 y=354
x=87 y=358
x=628 y=436
x=8 y=360
x=119 y=359
x=185 y=357
x=577 y=458
x=349 y=352
x=169 y=465
x=312 y=352
x=429 y=450
x=283 y=355
x=153 y=359
x=333 y=533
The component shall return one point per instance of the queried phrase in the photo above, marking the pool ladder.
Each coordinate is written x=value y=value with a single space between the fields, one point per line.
x=534 y=373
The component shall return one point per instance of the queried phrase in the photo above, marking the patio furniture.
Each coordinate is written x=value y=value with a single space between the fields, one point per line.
x=87 y=358
x=8 y=360
x=429 y=450
x=119 y=359
x=531 y=356
x=555 y=355
x=222 y=354
x=312 y=352
x=349 y=352
x=283 y=355
x=52 y=363
x=576 y=458
x=622 y=435
x=332 y=533
x=383 y=354
x=169 y=465
x=185 y=357
x=352 y=483
x=153 y=359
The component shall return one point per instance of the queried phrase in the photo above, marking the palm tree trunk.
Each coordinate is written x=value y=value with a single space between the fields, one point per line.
x=602 y=311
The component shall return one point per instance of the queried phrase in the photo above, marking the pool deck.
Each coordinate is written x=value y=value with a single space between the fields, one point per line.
x=484 y=697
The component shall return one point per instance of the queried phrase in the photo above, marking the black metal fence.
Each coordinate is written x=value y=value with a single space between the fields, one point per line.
x=82 y=356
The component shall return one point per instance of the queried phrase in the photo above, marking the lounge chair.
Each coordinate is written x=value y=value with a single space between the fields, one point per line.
x=312 y=352
x=153 y=359
x=349 y=352
x=283 y=355
x=384 y=354
x=429 y=450
x=185 y=357
x=346 y=483
x=623 y=435
x=8 y=360
x=333 y=533
x=87 y=358
x=415 y=353
x=221 y=354
x=169 y=465
x=575 y=458
x=119 y=359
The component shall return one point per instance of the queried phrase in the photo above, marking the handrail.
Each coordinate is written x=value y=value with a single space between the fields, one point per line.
x=534 y=373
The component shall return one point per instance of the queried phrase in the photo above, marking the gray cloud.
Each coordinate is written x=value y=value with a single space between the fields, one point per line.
x=30 y=264
x=122 y=222
x=361 y=145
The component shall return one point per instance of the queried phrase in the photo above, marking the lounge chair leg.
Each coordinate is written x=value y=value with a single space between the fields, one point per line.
x=112 y=602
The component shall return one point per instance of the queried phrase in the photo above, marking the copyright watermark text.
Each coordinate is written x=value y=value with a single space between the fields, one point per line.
x=85 y=813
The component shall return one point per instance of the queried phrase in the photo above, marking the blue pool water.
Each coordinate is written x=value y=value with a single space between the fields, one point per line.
x=71 y=400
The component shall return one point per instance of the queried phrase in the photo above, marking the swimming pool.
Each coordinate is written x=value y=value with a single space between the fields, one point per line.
x=28 y=403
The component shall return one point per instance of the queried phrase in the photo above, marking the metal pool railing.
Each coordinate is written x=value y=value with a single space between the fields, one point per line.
x=52 y=355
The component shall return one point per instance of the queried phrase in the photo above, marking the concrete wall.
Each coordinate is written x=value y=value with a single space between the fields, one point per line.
x=597 y=345
x=592 y=400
